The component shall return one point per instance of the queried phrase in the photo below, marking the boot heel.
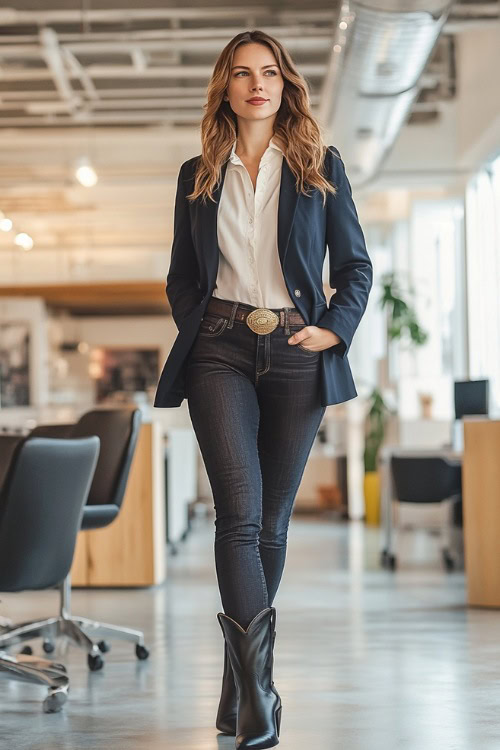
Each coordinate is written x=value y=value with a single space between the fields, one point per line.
x=278 y=721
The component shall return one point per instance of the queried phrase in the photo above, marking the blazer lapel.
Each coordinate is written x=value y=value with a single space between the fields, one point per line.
x=287 y=205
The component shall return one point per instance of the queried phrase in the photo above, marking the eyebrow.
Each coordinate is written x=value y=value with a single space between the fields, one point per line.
x=274 y=65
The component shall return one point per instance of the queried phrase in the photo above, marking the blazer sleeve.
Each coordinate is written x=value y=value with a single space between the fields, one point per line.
x=351 y=272
x=182 y=288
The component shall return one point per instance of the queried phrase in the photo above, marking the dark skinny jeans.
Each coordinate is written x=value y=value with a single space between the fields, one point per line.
x=254 y=403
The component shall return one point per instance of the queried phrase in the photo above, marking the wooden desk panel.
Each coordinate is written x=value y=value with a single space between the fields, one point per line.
x=481 y=511
x=131 y=551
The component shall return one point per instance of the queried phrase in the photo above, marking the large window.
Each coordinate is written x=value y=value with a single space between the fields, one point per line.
x=483 y=278
x=433 y=266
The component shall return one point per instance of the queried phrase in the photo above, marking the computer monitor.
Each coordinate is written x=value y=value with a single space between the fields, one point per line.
x=471 y=397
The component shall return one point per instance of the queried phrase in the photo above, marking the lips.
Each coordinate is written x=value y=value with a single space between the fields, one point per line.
x=256 y=100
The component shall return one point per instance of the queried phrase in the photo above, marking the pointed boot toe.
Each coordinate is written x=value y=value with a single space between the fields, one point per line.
x=250 y=654
x=262 y=740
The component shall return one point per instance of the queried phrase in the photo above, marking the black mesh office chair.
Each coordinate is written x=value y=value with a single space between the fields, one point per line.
x=425 y=479
x=118 y=431
x=41 y=507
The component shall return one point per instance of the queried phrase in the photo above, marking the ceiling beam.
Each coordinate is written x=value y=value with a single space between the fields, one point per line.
x=13 y=17
x=128 y=71
x=51 y=53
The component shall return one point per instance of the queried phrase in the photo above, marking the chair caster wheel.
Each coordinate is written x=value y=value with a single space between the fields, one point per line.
x=54 y=702
x=104 y=646
x=95 y=662
x=48 y=647
x=26 y=650
x=141 y=652
x=448 y=560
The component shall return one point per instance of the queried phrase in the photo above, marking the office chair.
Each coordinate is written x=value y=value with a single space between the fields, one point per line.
x=41 y=507
x=118 y=431
x=425 y=479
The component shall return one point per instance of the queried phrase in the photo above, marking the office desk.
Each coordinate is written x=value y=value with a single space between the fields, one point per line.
x=480 y=505
x=132 y=550
x=481 y=510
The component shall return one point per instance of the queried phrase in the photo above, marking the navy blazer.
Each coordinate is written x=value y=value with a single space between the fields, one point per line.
x=305 y=229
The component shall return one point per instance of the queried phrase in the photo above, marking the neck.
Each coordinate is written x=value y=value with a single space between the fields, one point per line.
x=253 y=139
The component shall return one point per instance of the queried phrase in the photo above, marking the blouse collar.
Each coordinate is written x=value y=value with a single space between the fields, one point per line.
x=268 y=153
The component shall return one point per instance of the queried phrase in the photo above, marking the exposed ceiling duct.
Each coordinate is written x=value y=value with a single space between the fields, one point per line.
x=136 y=66
x=379 y=53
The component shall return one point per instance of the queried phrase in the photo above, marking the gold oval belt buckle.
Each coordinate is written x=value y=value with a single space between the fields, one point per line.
x=262 y=320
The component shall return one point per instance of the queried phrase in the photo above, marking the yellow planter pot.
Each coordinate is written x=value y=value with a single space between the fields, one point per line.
x=371 y=486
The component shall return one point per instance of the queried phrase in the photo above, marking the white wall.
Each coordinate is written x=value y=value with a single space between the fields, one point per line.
x=59 y=381
x=152 y=331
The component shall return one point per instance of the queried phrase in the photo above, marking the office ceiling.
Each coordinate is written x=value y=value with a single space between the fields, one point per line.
x=124 y=83
x=127 y=63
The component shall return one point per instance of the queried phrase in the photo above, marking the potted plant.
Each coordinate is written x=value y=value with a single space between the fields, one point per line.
x=376 y=420
x=401 y=324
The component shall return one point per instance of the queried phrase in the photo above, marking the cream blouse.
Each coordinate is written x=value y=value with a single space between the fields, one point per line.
x=247 y=233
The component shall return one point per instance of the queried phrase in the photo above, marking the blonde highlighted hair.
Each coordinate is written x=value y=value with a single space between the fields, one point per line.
x=295 y=128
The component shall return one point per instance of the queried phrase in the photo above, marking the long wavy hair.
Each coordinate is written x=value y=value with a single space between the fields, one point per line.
x=295 y=127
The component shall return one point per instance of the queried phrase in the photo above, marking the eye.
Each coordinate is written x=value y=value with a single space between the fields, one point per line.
x=273 y=72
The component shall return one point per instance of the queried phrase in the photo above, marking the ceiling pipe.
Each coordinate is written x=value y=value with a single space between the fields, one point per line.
x=379 y=53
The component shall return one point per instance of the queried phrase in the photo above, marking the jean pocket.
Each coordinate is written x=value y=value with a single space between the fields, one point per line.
x=212 y=325
x=294 y=329
x=308 y=351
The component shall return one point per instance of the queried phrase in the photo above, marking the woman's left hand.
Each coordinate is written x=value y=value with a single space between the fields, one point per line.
x=314 y=338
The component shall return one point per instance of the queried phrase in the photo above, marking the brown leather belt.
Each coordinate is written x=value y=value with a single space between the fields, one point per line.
x=260 y=320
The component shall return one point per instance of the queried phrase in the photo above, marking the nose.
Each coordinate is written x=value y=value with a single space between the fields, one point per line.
x=255 y=81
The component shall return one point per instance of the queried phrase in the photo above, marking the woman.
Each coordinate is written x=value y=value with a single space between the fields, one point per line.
x=260 y=353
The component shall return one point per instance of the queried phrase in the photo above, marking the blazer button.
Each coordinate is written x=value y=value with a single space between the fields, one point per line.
x=297 y=292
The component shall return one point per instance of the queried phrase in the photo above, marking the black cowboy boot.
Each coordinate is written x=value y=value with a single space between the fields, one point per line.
x=228 y=704
x=250 y=654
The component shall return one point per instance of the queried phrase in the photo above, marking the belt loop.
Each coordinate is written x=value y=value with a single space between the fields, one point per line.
x=287 y=322
x=233 y=313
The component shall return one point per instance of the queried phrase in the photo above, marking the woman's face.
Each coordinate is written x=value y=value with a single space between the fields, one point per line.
x=255 y=73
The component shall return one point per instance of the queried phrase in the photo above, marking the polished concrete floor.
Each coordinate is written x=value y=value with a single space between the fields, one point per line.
x=365 y=659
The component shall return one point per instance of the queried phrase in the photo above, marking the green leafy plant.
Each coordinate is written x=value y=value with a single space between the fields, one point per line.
x=376 y=420
x=401 y=317
x=401 y=323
